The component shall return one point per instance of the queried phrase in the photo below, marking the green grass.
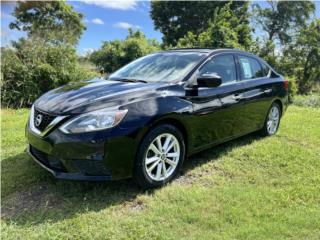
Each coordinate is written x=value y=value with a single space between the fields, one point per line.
x=250 y=188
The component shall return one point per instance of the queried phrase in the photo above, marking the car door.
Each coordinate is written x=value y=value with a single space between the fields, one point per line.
x=218 y=112
x=257 y=92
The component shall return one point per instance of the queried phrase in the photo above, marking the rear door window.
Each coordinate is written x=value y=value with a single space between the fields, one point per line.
x=266 y=69
x=250 y=68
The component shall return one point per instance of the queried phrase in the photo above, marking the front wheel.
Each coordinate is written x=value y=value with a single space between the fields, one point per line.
x=272 y=121
x=159 y=157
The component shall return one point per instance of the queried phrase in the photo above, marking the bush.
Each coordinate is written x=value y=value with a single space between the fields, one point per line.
x=293 y=88
x=307 y=100
x=30 y=69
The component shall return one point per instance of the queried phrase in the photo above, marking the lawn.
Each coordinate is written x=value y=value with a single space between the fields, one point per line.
x=250 y=188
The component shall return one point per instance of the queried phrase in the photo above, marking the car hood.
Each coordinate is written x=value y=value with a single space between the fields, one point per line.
x=95 y=94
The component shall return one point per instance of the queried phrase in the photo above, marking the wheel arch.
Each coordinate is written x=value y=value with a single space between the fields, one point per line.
x=279 y=102
x=171 y=121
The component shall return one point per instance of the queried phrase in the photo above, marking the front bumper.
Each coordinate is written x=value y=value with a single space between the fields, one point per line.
x=96 y=156
x=65 y=175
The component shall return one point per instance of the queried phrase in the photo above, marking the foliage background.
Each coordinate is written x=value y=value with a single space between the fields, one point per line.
x=47 y=58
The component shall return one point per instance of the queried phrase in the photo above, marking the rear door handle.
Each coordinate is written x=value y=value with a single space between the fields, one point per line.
x=268 y=90
x=237 y=96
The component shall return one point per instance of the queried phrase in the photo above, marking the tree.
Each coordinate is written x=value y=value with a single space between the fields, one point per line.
x=266 y=50
x=45 y=59
x=51 y=21
x=291 y=41
x=307 y=52
x=176 y=19
x=114 y=54
x=220 y=32
x=281 y=19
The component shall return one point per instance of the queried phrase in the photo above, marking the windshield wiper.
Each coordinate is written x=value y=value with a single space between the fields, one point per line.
x=130 y=80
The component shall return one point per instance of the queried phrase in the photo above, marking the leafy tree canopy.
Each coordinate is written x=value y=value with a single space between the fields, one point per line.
x=52 y=21
x=281 y=19
x=307 y=51
x=176 y=19
x=114 y=54
x=220 y=32
x=47 y=58
x=292 y=43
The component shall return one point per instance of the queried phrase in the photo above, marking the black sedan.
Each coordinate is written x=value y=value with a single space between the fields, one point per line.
x=147 y=117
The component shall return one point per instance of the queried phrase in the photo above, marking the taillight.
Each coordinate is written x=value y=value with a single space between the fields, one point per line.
x=286 y=84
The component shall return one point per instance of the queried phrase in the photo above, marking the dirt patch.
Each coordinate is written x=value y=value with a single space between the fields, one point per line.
x=31 y=199
x=137 y=205
x=187 y=177
x=292 y=141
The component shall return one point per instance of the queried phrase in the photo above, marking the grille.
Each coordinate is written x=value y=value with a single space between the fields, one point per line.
x=41 y=156
x=49 y=161
x=92 y=168
x=46 y=119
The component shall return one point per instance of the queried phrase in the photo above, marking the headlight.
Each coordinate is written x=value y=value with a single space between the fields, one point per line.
x=94 y=121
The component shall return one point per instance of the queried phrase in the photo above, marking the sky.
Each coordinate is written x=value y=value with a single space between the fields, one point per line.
x=105 y=20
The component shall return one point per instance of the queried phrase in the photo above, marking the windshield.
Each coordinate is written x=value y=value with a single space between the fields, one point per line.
x=166 y=67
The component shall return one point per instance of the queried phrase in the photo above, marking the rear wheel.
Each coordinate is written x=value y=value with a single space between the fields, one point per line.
x=159 y=157
x=272 y=121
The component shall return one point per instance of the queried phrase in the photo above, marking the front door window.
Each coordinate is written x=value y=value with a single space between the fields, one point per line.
x=222 y=65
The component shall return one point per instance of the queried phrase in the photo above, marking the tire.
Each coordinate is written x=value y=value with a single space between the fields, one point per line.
x=272 y=121
x=154 y=168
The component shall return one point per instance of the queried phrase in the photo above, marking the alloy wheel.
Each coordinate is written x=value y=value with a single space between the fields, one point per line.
x=273 y=120
x=162 y=157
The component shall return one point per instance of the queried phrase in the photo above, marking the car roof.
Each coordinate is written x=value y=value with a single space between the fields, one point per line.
x=211 y=51
x=208 y=50
x=205 y=50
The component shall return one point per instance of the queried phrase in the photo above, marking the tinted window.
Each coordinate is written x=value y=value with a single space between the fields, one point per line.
x=265 y=69
x=250 y=68
x=223 y=65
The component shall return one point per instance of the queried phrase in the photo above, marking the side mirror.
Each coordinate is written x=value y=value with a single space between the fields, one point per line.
x=210 y=80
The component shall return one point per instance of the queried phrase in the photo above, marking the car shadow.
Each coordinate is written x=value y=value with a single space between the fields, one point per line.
x=214 y=153
x=54 y=200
